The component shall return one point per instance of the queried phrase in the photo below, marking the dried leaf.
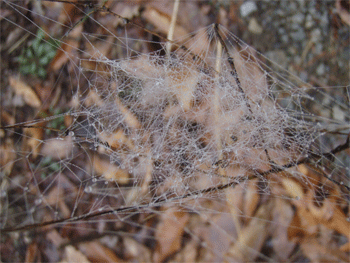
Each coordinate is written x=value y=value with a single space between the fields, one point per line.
x=252 y=198
x=252 y=79
x=32 y=253
x=251 y=239
x=318 y=253
x=330 y=216
x=217 y=235
x=65 y=52
x=129 y=117
x=162 y=22
x=135 y=251
x=74 y=255
x=169 y=233
x=293 y=188
x=7 y=118
x=342 y=12
x=100 y=49
x=7 y=156
x=24 y=90
x=56 y=197
x=124 y=10
x=235 y=197
x=328 y=213
x=345 y=247
x=110 y=171
x=33 y=142
x=183 y=83
x=58 y=148
x=282 y=217
x=188 y=253
x=98 y=253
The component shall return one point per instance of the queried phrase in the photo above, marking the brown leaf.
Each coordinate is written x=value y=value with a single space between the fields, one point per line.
x=24 y=90
x=32 y=253
x=188 y=253
x=218 y=235
x=169 y=233
x=327 y=213
x=117 y=139
x=125 y=9
x=293 y=188
x=235 y=202
x=65 y=52
x=59 y=148
x=33 y=142
x=130 y=118
x=98 y=253
x=56 y=197
x=74 y=255
x=345 y=247
x=282 y=217
x=183 y=82
x=7 y=119
x=331 y=216
x=252 y=78
x=110 y=171
x=318 y=253
x=7 y=156
x=162 y=22
x=295 y=230
x=342 y=12
x=100 y=49
x=135 y=251
x=251 y=238
x=251 y=197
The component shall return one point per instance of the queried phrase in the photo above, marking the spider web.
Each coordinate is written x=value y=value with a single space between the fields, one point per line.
x=208 y=138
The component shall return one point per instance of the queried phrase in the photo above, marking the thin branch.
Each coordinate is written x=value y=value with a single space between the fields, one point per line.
x=159 y=202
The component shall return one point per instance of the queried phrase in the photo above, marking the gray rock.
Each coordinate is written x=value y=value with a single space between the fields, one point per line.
x=298 y=35
x=298 y=18
x=321 y=69
x=247 y=8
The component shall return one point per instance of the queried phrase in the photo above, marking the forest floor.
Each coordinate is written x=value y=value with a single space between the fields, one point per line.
x=310 y=39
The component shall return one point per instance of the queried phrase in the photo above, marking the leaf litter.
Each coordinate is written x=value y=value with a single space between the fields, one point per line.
x=249 y=210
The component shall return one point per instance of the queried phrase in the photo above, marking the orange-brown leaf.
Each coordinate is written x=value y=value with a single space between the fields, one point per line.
x=169 y=233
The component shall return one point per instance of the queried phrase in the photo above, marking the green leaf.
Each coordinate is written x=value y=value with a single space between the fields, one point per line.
x=29 y=53
x=35 y=57
x=41 y=72
x=22 y=60
x=25 y=69
x=40 y=50
x=44 y=61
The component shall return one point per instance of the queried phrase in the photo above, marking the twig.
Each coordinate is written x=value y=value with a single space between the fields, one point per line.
x=158 y=202
x=172 y=26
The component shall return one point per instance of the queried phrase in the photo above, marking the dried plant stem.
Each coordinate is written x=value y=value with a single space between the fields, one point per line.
x=234 y=72
x=172 y=27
